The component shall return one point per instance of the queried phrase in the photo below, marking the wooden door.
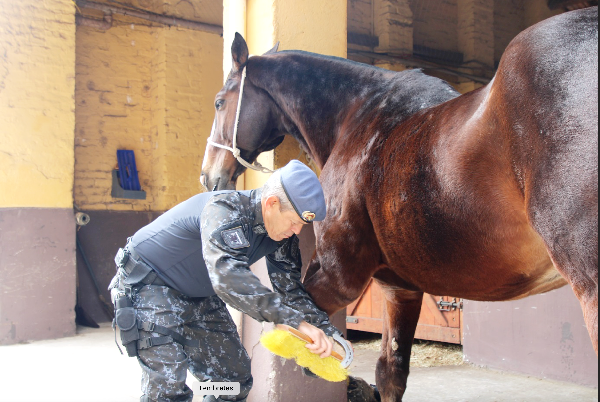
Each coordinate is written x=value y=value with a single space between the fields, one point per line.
x=441 y=317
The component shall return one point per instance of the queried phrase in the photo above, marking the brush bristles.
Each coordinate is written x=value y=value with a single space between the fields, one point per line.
x=284 y=344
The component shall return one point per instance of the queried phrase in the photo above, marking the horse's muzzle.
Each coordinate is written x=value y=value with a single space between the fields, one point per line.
x=217 y=183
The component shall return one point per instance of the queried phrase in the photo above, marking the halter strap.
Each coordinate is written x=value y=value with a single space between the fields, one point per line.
x=234 y=149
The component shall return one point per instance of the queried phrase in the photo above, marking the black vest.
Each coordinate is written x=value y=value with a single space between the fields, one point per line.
x=172 y=245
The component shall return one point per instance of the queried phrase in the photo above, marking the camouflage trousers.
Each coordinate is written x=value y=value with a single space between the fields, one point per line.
x=220 y=358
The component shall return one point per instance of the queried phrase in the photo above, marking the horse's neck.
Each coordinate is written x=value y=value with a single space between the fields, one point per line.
x=324 y=98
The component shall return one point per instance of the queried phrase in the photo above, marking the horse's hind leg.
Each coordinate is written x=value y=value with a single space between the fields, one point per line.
x=403 y=309
x=565 y=213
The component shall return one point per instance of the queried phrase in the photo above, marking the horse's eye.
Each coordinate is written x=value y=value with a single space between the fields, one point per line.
x=219 y=104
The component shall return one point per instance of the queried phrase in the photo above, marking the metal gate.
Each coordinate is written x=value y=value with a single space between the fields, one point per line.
x=441 y=317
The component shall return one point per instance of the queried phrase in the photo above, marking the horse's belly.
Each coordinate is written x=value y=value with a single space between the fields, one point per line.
x=522 y=267
x=521 y=282
x=504 y=265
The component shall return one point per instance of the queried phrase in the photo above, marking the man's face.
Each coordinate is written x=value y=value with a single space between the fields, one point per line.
x=280 y=225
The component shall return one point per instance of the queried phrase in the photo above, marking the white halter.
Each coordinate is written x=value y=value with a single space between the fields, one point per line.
x=234 y=149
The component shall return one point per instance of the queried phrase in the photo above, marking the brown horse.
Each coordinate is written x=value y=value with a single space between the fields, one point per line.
x=488 y=196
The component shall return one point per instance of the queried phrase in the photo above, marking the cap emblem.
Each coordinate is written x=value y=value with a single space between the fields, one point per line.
x=309 y=216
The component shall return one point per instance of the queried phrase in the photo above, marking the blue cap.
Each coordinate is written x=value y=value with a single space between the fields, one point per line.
x=304 y=191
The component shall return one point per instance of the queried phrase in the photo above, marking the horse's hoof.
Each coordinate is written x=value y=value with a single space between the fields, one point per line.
x=360 y=391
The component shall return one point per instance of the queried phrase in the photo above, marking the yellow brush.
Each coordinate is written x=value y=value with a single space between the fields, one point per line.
x=290 y=343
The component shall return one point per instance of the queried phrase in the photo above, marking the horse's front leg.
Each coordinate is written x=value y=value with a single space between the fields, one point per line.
x=346 y=259
x=403 y=309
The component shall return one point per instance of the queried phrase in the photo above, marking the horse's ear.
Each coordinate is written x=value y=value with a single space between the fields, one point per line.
x=274 y=50
x=239 y=52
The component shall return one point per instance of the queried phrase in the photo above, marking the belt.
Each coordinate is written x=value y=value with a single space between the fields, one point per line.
x=141 y=271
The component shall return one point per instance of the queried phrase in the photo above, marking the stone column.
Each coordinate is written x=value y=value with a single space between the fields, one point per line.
x=394 y=26
x=476 y=32
x=476 y=39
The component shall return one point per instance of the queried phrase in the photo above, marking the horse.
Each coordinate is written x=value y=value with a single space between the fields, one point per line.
x=488 y=196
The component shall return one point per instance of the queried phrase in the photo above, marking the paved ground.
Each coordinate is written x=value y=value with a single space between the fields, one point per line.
x=89 y=368
x=470 y=384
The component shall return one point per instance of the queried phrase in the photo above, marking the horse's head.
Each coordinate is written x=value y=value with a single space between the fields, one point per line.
x=257 y=129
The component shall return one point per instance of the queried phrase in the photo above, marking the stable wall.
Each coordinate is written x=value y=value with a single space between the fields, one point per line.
x=147 y=89
x=37 y=227
x=543 y=336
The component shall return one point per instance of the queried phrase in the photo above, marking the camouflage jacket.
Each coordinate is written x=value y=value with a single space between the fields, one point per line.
x=234 y=236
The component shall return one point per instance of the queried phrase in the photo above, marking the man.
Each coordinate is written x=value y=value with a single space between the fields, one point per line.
x=176 y=274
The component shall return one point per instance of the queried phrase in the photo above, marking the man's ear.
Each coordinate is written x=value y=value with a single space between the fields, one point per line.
x=239 y=53
x=272 y=201
x=274 y=50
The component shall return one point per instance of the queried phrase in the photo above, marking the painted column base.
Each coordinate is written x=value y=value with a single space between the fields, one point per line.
x=37 y=274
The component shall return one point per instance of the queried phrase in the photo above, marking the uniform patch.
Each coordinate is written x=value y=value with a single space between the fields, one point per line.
x=259 y=229
x=235 y=238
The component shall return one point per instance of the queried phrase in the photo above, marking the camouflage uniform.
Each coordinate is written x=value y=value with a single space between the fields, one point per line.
x=218 y=235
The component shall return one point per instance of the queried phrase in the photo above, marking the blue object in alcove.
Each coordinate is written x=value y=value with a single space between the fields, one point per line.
x=128 y=174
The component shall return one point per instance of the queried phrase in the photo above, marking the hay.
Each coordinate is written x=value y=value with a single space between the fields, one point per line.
x=424 y=353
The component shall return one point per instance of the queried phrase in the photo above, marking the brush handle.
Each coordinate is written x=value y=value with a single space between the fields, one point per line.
x=307 y=339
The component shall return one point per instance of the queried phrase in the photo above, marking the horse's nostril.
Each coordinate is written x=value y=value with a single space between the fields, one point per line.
x=217 y=185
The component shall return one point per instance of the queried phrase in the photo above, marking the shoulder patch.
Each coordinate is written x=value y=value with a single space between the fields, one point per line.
x=235 y=238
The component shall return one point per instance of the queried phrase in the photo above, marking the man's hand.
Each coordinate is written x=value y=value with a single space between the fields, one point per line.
x=322 y=345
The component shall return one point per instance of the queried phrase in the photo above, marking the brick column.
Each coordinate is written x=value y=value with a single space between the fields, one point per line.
x=394 y=26
x=476 y=32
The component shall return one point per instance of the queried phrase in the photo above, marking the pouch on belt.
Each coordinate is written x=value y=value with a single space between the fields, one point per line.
x=126 y=320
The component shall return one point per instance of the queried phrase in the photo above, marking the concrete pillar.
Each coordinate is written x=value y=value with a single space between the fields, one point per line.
x=37 y=225
x=394 y=26
x=315 y=26
x=476 y=32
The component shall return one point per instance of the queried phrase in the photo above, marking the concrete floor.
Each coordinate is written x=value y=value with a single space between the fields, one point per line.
x=88 y=367
x=471 y=384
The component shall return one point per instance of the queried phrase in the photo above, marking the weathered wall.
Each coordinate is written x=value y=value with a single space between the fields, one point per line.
x=37 y=274
x=360 y=16
x=151 y=90
x=37 y=72
x=37 y=229
x=543 y=336
x=116 y=96
x=509 y=21
x=480 y=30
x=436 y=24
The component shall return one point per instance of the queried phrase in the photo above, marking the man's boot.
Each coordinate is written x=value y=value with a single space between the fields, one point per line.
x=211 y=398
